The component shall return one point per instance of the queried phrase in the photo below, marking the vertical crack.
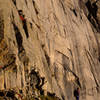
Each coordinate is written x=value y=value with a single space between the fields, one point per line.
x=1 y=27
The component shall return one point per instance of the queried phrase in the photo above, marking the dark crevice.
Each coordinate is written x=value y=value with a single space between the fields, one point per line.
x=76 y=93
x=22 y=17
x=4 y=81
x=25 y=28
x=92 y=16
x=31 y=25
x=43 y=45
x=1 y=27
x=92 y=8
x=63 y=97
x=1 y=93
x=34 y=78
x=99 y=58
x=10 y=94
x=34 y=5
x=74 y=11
x=26 y=2
x=47 y=58
x=19 y=38
x=51 y=94
x=14 y=1
x=36 y=81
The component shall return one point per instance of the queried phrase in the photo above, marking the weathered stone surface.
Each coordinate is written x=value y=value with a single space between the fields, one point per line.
x=60 y=39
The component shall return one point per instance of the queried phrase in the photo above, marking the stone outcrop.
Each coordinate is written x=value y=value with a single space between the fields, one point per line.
x=49 y=48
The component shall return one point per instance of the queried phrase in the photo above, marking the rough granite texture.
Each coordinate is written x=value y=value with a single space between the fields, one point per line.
x=62 y=43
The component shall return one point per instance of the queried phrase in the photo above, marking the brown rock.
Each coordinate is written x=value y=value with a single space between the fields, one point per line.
x=57 y=38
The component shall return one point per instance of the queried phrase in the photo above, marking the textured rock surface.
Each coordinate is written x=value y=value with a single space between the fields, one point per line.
x=62 y=44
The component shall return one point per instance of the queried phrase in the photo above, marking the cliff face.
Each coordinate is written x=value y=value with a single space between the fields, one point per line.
x=50 y=46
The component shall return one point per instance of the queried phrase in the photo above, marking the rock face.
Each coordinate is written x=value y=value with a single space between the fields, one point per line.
x=50 y=46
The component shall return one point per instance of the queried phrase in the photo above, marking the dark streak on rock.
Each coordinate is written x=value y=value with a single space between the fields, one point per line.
x=14 y=1
x=19 y=38
x=26 y=2
x=1 y=26
x=62 y=4
x=47 y=58
x=34 y=5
